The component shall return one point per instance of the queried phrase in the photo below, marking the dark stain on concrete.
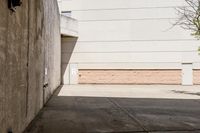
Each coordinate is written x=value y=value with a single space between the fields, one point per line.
x=186 y=92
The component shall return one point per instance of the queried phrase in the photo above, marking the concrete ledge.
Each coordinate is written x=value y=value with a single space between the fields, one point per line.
x=69 y=26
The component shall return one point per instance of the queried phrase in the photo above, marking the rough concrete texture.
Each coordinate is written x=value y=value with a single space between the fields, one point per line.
x=24 y=37
x=52 y=39
x=135 y=76
x=117 y=115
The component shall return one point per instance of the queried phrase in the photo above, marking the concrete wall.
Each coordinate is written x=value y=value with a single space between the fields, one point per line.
x=25 y=35
x=52 y=38
x=69 y=26
x=129 y=34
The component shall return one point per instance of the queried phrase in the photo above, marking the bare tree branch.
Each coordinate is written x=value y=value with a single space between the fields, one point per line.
x=189 y=17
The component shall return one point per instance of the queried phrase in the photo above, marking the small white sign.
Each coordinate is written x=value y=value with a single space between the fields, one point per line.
x=73 y=74
x=46 y=71
x=74 y=71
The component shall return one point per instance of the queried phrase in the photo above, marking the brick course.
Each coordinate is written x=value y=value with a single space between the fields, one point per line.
x=171 y=77
x=196 y=75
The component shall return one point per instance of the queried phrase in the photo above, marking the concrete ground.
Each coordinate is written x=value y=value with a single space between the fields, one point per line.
x=120 y=109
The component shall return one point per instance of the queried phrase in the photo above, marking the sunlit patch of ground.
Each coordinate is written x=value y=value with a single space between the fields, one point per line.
x=132 y=91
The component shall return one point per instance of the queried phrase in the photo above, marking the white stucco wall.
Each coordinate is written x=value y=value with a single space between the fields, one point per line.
x=128 y=34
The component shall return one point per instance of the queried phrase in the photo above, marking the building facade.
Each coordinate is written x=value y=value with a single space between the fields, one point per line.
x=128 y=42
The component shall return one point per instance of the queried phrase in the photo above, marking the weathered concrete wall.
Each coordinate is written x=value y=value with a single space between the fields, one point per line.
x=52 y=39
x=24 y=37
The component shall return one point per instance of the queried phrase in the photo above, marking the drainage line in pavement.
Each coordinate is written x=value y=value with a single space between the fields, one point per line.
x=195 y=130
x=129 y=114
x=129 y=132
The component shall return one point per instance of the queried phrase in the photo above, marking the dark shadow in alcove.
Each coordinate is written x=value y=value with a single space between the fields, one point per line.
x=67 y=47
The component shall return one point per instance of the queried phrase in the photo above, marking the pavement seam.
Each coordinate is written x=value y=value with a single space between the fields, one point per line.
x=128 y=113
x=129 y=132
x=174 y=131
x=197 y=100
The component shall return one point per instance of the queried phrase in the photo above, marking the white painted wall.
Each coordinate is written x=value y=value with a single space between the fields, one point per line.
x=126 y=34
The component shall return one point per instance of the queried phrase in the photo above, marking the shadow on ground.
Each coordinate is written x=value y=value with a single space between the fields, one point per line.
x=65 y=114
x=186 y=92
